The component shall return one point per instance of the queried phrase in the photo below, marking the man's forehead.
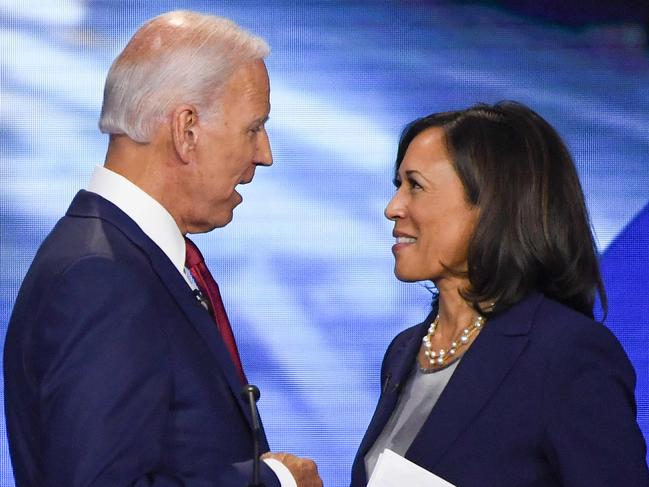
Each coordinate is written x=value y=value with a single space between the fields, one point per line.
x=251 y=77
x=250 y=85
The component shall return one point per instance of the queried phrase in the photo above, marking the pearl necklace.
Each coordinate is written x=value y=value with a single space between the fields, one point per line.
x=442 y=358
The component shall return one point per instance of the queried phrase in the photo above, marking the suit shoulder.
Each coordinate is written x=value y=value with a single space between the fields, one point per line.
x=81 y=242
x=567 y=335
x=554 y=319
x=408 y=334
x=77 y=236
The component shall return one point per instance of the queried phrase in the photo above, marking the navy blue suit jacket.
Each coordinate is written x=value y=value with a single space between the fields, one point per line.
x=543 y=397
x=114 y=373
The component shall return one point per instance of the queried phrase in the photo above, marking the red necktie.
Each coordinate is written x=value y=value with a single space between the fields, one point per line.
x=207 y=285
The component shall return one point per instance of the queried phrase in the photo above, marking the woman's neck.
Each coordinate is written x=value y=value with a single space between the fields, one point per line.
x=455 y=314
x=455 y=328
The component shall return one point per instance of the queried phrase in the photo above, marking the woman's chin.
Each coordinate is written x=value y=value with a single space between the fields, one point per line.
x=404 y=275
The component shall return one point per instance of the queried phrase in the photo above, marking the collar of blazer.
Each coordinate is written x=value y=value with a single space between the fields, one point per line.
x=477 y=377
x=91 y=205
x=480 y=371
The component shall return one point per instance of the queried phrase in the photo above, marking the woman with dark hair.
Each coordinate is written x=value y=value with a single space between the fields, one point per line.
x=509 y=381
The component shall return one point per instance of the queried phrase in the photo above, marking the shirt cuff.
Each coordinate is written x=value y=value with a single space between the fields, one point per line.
x=283 y=473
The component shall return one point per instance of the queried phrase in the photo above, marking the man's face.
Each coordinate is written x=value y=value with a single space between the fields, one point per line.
x=229 y=147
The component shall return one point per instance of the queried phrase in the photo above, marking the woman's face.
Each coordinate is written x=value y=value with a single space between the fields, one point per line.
x=433 y=222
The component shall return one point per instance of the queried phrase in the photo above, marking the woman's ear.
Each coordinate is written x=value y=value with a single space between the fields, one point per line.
x=184 y=131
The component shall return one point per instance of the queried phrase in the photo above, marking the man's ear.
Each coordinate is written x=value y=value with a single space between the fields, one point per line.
x=184 y=131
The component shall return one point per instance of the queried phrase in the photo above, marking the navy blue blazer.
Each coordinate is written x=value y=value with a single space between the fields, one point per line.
x=543 y=397
x=114 y=373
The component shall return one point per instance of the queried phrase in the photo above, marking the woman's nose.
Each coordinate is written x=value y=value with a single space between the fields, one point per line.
x=395 y=208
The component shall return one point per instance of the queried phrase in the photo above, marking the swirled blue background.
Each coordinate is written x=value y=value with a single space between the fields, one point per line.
x=305 y=267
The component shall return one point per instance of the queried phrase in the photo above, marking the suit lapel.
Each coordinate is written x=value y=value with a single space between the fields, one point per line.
x=201 y=320
x=398 y=369
x=90 y=204
x=477 y=377
x=398 y=365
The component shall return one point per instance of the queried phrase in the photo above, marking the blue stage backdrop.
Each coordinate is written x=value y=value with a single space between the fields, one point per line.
x=305 y=267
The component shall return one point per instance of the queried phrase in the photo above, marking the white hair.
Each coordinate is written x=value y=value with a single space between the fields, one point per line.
x=175 y=58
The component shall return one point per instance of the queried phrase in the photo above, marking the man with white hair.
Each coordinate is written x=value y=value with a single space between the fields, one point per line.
x=120 y=364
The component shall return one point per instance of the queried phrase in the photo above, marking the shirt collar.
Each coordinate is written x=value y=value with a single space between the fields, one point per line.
x=154 y=220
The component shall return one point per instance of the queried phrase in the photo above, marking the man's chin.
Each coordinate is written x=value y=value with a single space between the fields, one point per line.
x=223 y=221
x=208 y=226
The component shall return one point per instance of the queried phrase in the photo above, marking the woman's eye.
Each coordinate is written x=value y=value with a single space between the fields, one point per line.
x=414 y=185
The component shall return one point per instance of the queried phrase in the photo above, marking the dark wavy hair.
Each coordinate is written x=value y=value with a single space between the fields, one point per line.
x=533 y=231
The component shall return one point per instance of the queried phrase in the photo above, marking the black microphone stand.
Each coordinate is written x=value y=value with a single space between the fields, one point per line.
x=251 y=394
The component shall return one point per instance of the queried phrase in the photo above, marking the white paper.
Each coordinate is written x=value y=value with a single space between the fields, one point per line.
x=392 y=470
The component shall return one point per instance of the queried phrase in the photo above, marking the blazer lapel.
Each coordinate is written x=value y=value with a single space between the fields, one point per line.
x=398 y=365
x=201 y=320
x=476 y=379
x=89 y=204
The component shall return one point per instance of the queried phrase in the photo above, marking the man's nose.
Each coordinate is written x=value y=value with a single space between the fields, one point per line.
x=264 y=155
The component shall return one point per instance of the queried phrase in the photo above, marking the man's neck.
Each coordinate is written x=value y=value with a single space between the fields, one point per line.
x=144 y=165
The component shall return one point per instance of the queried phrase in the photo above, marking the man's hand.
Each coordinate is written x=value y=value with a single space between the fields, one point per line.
x=304 y=470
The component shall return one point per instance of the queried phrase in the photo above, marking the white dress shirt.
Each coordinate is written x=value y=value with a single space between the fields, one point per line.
x=158 y=224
